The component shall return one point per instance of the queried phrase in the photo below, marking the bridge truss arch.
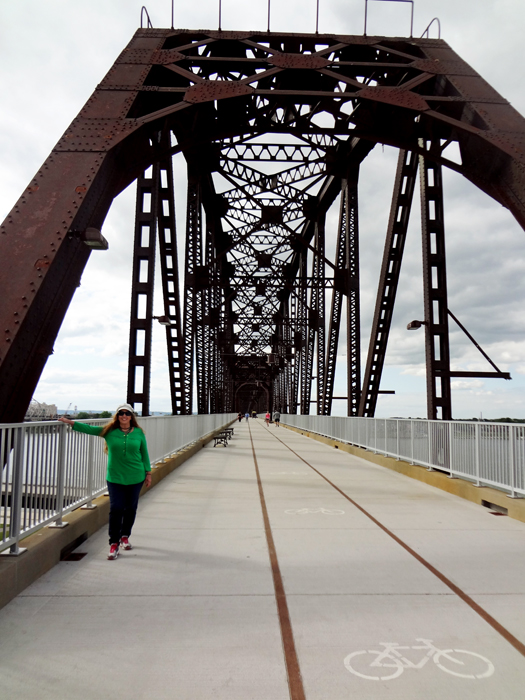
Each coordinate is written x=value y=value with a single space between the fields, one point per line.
x=273 y=128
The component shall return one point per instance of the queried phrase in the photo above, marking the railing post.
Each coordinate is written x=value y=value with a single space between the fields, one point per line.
x=511 y=463
x=61 y=476
x=16 y=493
x=450 y=449
x=91 y=449
x=477 y=448
x=397 y=440
x=411 y=441
x=430 y=462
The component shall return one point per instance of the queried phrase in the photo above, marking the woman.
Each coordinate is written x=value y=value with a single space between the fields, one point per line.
x=267 y=417
x=128 y=469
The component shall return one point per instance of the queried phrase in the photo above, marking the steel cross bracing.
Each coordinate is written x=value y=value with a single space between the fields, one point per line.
x=389 y=277
x=270 y=125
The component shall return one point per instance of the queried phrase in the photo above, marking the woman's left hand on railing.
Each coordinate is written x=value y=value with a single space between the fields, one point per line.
x=66 y=420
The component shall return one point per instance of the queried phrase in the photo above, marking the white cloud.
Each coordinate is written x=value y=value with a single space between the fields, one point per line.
x=469 y=385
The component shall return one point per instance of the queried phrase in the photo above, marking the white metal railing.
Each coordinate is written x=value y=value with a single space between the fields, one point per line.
x=487 y=454
x=48 y=470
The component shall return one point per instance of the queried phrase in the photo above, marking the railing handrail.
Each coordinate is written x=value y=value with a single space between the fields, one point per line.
x=142 y=11
x=482 y=452
x=427 y=30
x=47 y=469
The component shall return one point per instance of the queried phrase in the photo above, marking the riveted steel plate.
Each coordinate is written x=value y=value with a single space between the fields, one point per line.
x=95 y=134
x=434 y=65
x=297 y=60
x=164 y=57
x=205 y=92
x=394 y=96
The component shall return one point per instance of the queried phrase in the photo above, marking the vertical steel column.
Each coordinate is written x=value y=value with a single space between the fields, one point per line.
x=353 y=319
x=204 y=323
x=193 y=260
x=435 y=290
x=402 y=196
x=287 y=398
x=320 y=285
x=170 y=284
x=339 y=290
x=303 y=327
x=143 y=275
x=296 y=337
x=312 y=325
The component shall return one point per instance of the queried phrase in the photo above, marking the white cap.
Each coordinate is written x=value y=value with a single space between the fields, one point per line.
x=125 y=407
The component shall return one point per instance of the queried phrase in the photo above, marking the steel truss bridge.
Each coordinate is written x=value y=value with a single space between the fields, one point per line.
x=273 y=128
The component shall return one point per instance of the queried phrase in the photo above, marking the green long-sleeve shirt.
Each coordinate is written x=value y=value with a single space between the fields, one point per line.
x=128 y=459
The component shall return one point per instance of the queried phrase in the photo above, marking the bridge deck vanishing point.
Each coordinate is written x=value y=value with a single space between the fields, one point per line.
x=275 y=568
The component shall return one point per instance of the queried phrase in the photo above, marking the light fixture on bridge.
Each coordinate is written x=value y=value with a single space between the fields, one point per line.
x=94 y=239
x=414 y=325
x=163 y=320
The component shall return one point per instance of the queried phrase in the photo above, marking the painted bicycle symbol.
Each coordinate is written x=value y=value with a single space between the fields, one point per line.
x=306 y=511
x=389 y=663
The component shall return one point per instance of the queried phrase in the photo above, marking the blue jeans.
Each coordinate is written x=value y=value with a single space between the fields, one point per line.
x=123 y=502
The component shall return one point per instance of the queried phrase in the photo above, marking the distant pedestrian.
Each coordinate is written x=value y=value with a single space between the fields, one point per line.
x=128 y=469
x=246 y=415
x=277 y=418
x=239 y=416
x=267 y=417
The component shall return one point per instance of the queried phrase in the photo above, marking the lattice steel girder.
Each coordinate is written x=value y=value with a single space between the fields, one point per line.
x=206 y=87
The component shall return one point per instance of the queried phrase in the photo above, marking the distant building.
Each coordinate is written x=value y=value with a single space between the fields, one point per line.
x=40 y=411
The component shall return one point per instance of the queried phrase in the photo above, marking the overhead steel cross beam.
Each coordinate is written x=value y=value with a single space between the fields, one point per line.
x=201 y=88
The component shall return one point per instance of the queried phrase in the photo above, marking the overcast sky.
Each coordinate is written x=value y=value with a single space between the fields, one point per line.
x=54 y=53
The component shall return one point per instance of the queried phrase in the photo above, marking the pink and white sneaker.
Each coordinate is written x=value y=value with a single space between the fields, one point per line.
x=113 y=551
x=125 y=543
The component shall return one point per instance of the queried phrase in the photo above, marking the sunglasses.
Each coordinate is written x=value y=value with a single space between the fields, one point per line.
x=123 y=413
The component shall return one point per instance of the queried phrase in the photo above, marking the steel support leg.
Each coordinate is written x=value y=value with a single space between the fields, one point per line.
x=353 y=314
x=170 y=285
x=319 y=288
x=191 y=294
x=340 y=289
x=435 y=291
x=139 y=362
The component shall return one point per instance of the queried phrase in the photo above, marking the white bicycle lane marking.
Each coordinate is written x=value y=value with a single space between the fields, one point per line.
x=307 y=511
x=389 y=663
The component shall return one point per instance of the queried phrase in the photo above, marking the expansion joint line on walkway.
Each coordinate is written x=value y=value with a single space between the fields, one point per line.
x=503 y=631
x=295 y=681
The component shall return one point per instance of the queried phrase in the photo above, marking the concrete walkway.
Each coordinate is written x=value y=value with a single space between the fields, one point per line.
x=196 y=612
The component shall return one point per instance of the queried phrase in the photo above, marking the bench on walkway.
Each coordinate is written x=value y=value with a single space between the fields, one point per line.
x=221 y=439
